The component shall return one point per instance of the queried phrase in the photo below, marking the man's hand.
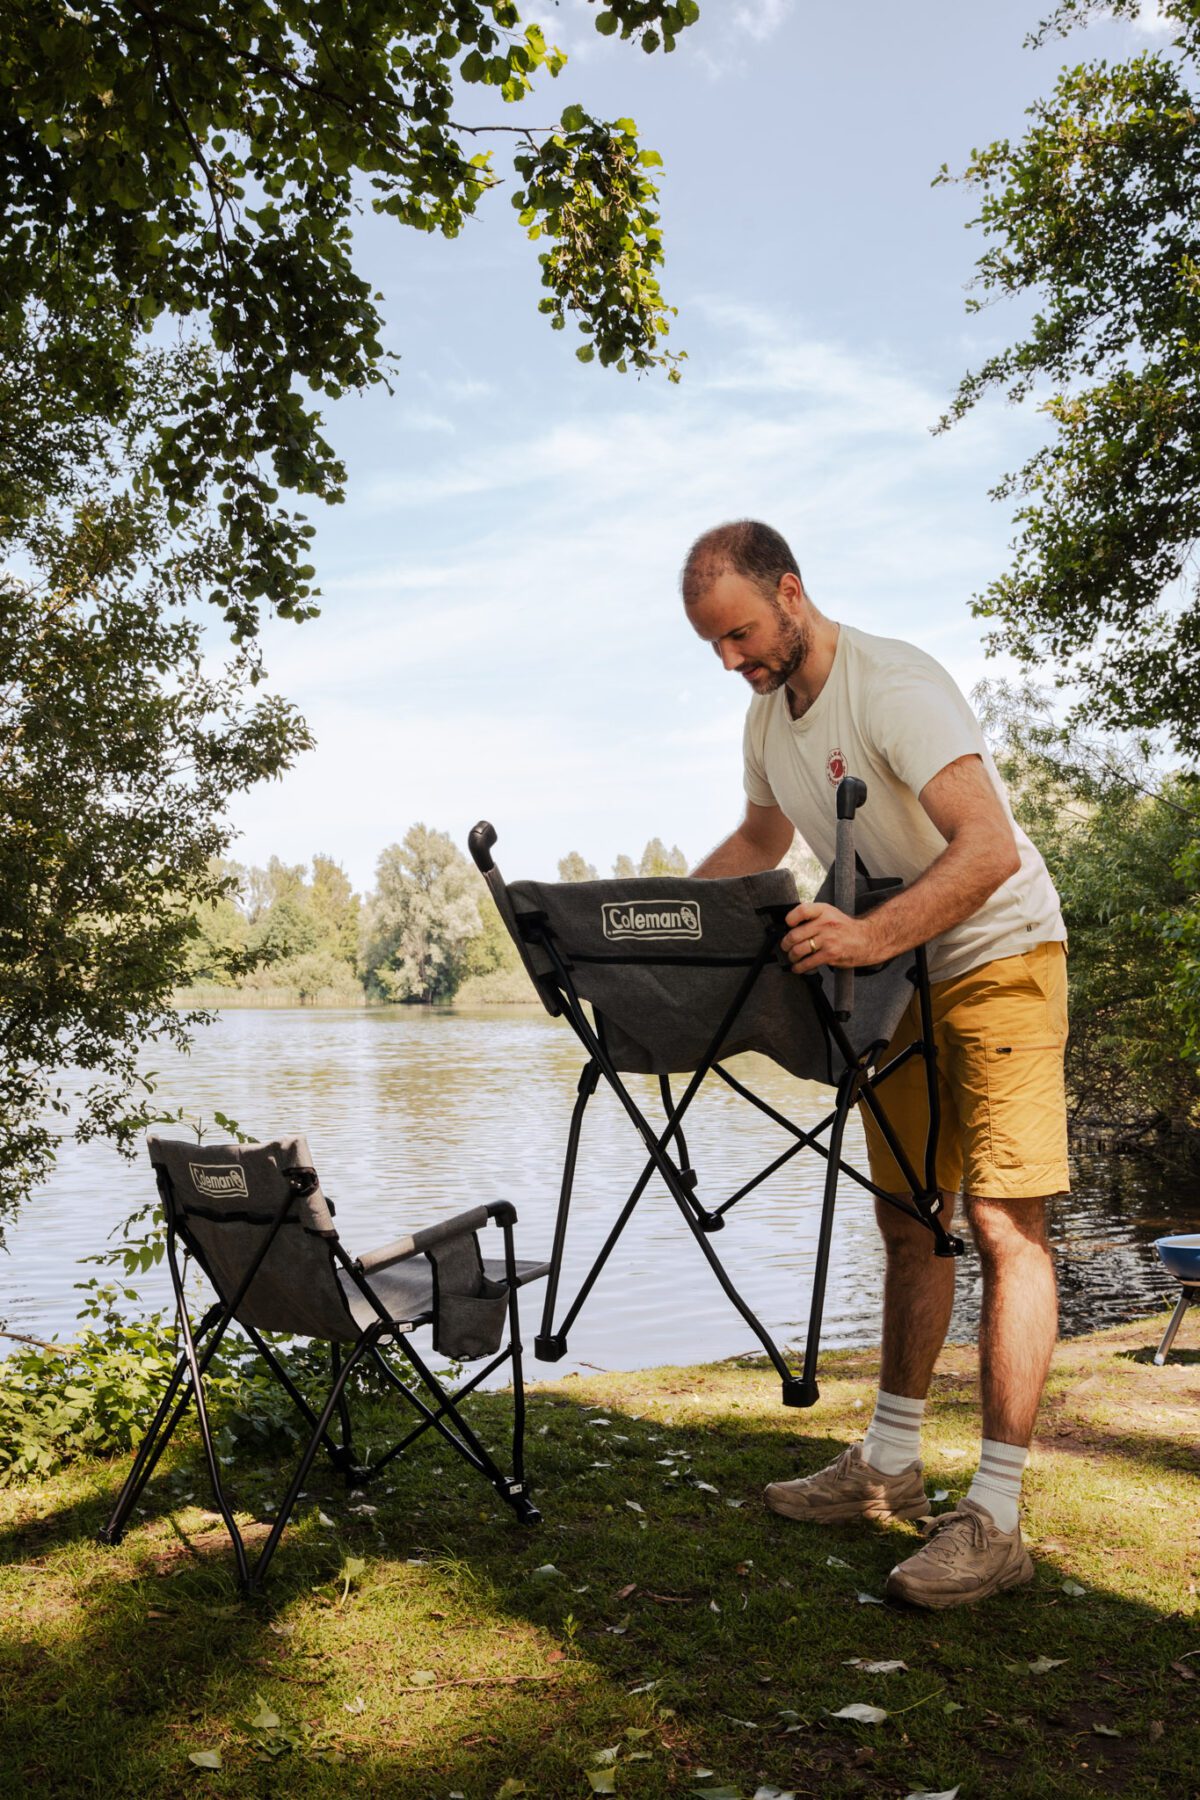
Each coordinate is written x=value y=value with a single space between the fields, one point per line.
x=822 y=937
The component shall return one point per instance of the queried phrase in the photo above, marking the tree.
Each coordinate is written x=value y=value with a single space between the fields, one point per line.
x=572 y=867
x=421 y=918
x=1094 y=216
x=196 y=168
x=1121 y=838
x=658 y=860
x=120 y=745
x=205 y=161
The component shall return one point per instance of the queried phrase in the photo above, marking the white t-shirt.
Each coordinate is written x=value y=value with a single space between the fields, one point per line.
x=892 y=715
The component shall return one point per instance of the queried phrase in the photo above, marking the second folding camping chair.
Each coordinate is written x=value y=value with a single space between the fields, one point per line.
x=680 y=973
x=254 y=1218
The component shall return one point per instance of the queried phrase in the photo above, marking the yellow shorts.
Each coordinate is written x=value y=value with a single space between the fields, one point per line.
x=1000 y=1032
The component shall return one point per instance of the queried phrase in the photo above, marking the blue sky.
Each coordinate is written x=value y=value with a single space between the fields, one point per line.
x=501 y=634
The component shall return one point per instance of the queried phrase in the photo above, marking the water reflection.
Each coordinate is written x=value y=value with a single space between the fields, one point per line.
x=412 y=1114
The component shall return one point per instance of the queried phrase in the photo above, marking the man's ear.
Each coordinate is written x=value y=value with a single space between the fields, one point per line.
x=790 y=592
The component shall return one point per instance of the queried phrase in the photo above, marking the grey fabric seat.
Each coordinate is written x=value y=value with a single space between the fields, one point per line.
x=255 y=1219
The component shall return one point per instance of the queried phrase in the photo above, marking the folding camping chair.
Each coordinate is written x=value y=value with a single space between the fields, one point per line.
x=254 y=1218
x=679 y=973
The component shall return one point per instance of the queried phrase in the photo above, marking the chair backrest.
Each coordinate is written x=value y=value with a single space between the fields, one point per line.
x=662 y=958
x=257 y=1211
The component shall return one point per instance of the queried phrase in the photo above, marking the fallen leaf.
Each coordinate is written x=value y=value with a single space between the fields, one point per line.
x=629 y=1588
x=706 y=1487
x=423 y=1678
x=602 y=1757
x=862 y=1715
x=557 y=1656
x=942 y=1494
x=635 y=1506
x=869 y=1600
x=205 y=1759
x=324 y=1519
x=603 y=1781
x=508 y=1790
x=547 y=1572
x=942 y=1794
x=835 y=1562
x=357 y=1705
x=1042 y=1665
x=768 y=1791
x=1073 y=1588
x=874 y=1668
x=1105 y=1730
x=1181 y=1668
x=264 y=1719
x=1154 y=1730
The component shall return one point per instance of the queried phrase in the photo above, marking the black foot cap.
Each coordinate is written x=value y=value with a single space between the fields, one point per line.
x=711 y=1222
x=550 y=1346
x=109 y=1536
x=952 y=1246
x=800 y=1393
x=527 y=1513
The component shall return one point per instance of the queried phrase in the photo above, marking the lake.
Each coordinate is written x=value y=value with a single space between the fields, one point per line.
x=413 y=1113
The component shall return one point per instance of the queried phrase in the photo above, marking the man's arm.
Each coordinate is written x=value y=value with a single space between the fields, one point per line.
x=980 y=854
x=759 y=842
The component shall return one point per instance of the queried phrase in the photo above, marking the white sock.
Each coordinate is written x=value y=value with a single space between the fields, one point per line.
x=893 y=1439
x=997 y=1483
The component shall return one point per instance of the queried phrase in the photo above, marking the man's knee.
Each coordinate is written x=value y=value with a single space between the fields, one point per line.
x=902 y=1233
x=1005 y=1228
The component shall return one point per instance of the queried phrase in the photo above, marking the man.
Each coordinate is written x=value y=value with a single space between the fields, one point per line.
x=830 y=700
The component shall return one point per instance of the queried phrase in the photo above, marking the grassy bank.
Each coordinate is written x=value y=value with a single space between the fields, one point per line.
x=658 y=1623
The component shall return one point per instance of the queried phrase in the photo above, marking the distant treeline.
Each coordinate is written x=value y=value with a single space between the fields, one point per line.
x=428 y=933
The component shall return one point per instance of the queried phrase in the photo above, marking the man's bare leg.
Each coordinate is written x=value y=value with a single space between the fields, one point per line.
x=918 y=1295
x=1019 y=1323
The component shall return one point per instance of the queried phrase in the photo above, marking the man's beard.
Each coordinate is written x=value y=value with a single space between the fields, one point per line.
x=790 y=651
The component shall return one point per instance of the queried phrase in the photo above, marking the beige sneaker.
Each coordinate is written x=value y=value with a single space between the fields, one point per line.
x=850 y=1489
x=965 y=1557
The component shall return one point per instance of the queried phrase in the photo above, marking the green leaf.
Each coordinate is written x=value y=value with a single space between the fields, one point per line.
x=205 y=1759
x=606 y=23
x=573 y=118
x=585 y=352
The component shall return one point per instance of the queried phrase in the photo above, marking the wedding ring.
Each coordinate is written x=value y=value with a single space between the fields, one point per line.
x=813 y=946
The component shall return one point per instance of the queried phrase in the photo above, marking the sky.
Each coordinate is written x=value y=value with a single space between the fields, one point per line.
x=501 y=634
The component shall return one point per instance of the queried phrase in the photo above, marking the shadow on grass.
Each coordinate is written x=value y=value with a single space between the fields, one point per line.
x=658 y=1613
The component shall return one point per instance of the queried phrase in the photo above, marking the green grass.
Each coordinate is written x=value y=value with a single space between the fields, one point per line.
x=699 y=1632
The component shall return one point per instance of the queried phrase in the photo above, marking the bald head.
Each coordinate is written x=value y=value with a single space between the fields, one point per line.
x=745 y=547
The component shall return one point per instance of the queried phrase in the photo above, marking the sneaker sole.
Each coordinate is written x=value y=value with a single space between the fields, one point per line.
x=1013 y=1578
x=847 y=1514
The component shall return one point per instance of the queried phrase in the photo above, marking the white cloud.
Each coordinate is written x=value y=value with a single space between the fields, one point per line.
x=525 y=655
x=1151 y=20
x=761 y=20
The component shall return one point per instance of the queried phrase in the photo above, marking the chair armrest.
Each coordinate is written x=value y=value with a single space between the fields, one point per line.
x=400 y=1249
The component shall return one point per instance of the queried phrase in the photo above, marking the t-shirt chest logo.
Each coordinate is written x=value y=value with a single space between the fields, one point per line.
x=835 y=767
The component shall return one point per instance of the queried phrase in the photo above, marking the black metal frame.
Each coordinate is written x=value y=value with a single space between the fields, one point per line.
x=857 y=1083
x=200 y=1346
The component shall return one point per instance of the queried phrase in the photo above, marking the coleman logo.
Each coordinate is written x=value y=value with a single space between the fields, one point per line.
x=218 y=1184
x=651 y=918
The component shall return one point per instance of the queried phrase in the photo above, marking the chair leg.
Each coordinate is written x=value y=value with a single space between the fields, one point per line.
x=1176 y=1320
x=510 y=1489
x=157 y=1437
x=257 y=1575
x=345 y=1456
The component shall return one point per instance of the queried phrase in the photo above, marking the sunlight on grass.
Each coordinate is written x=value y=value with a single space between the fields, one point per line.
x=415 y=1641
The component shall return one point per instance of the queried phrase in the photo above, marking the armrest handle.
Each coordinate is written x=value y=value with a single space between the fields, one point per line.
x=400 y=1249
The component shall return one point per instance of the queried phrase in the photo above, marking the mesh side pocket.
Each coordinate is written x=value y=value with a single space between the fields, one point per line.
x=471 y=1325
